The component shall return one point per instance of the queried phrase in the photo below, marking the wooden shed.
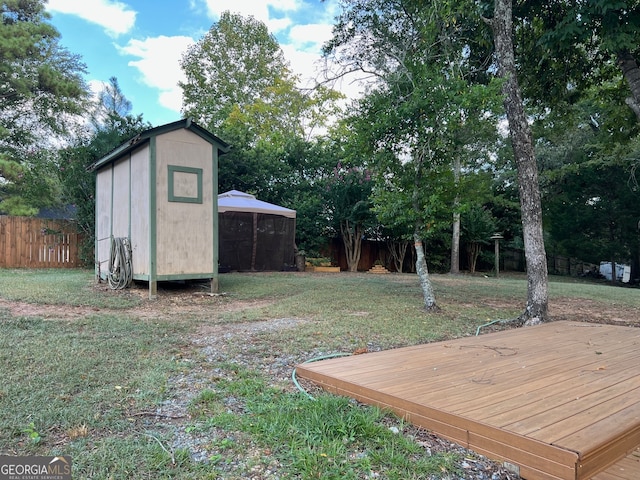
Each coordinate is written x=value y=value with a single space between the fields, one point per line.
x=159 y=190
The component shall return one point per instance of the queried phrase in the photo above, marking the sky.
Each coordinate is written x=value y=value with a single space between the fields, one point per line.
x=141 y=41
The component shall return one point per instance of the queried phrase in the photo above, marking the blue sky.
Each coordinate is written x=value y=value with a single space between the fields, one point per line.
x=141 y=41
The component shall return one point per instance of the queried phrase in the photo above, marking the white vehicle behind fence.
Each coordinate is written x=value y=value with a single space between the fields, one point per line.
x=623 y=272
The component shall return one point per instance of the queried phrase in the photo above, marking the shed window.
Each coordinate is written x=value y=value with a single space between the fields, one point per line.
x=185 y=184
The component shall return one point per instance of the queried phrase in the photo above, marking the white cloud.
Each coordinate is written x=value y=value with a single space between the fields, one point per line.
x=277 y=25
x=95 y=87
x=115 y=17
x=303 y=64
x=256 y=8
x=158 y=58
x=311 y=36
x=159 y=65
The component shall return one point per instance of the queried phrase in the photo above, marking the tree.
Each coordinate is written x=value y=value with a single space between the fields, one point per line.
x=112 y=104
x=536 y=309
x=236 y=62
x=348 y=204
x=586 y=154
x=582 y=44
x=399 y=126
x=109 y=130
x=587 y=83
x=239 y=85
x=29 y=185
x=477 y=228
x=421 y=57
x=41 y=90
x=269 y=137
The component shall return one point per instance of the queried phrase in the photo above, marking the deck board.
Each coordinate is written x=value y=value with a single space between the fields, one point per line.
x=558 y=401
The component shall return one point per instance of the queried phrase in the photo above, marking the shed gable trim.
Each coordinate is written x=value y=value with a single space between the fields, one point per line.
x=143 y=137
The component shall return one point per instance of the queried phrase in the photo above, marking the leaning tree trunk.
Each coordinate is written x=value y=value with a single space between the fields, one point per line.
x=536 y=310
x=631 y=72
x=421 y=262
x=423 y=275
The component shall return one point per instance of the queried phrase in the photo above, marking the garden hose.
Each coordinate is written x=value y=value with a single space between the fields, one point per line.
x=316 y=359
x=120 y=274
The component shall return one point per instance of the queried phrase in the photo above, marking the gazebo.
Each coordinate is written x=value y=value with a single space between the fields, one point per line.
x=255 y=235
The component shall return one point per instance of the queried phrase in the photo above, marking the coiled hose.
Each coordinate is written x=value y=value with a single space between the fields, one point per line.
x=120 y=273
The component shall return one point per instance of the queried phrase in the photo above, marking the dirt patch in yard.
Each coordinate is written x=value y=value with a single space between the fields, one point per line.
x=585 y=310
x=180 y=301
x=194 y=301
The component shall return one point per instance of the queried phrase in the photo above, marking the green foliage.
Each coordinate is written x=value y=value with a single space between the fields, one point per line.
x=33 y=434
x=477 y=225
x=237 y=61
x=390 y=38
x=239 y=85
x=31 y=184
x=110 y=129
x=577 y=45
x=111 y=104
x=310 y=223
x=432 y=105
x=347 y=196
x=587 y=158
x=587 y=134
x=348 y=208
x=42 y=89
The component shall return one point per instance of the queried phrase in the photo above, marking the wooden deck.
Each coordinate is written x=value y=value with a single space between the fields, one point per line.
x=560 y=401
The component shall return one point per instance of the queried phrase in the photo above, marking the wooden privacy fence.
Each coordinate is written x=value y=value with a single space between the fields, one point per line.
x=27 y=242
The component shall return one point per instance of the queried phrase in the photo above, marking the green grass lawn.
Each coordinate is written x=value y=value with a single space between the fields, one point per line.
x=80 y=385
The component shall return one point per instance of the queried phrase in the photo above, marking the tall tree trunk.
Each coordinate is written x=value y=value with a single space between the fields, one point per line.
x=631 y=72
x=455 y=237
x=455 y=242
x=536 y=310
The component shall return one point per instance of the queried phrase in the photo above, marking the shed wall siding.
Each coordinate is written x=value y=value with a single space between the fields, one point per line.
x=121 y=198
x=103 y=218
x=184 y=230
x=140 y=211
